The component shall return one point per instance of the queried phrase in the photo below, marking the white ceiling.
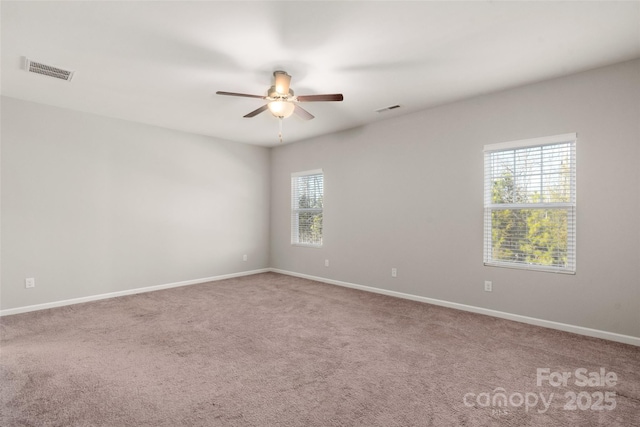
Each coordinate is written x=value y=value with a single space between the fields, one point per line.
x=161 y=63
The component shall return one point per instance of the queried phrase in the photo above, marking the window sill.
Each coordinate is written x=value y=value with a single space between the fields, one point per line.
x=530 y=267
x=306 y=245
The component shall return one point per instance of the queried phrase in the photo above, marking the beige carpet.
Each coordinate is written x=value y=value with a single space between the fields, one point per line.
x=273 y=350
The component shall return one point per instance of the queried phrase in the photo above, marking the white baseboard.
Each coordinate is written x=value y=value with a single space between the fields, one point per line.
x=47 y=305
x=626 y=339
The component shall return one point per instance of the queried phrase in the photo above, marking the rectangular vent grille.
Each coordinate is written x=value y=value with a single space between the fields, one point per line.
x=391 y=107
x=47 y=70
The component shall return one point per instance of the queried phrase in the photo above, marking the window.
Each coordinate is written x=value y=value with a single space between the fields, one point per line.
x=307 y=191
x=530 y=204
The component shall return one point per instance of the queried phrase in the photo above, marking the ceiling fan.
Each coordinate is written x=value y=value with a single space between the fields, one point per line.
x=281 y=101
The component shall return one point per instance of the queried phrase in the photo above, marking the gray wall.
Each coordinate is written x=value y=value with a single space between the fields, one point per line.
x=407 y=192
x=92 y=205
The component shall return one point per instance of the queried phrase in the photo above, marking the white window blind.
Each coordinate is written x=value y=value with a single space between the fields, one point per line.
x=530 y=204
x=307 y=192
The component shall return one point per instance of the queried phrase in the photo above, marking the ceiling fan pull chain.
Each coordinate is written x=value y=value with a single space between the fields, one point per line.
x=280 y=130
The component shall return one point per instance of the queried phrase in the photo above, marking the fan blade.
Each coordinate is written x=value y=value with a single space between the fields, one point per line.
x=314 y=98
x=301 y=112
x=256 y=112
x=240 y=94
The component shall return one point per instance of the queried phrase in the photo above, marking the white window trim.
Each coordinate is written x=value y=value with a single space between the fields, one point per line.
x=531 y=142
x=294 y=217
x=489 y=207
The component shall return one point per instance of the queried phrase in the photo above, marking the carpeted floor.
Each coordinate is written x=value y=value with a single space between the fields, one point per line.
x=274 y=350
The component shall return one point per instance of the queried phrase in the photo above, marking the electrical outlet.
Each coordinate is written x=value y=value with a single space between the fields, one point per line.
x=394 y=272
x=29 y=282
x=488 y=286
x=244 y=257
x=326 y=263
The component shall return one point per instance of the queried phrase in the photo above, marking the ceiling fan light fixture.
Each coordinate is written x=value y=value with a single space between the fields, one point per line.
x=282 y=82
x=281 y=101
x=281 y=109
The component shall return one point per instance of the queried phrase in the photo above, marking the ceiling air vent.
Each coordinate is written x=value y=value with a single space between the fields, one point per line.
x=389 y=108
x=47 y=70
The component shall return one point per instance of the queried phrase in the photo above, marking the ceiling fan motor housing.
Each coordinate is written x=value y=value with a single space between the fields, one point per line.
x=273 y=93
